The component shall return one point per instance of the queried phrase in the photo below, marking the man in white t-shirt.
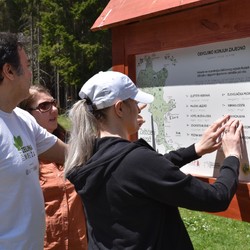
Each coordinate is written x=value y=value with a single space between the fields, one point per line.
x=22 y=140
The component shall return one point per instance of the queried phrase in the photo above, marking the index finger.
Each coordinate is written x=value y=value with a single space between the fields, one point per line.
x=220 y=122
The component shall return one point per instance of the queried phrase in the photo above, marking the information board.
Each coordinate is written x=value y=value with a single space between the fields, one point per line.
x=193 y=87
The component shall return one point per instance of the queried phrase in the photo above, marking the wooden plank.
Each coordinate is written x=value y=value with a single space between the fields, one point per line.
x=223 y=21
x=119 y=12
x=118 y=55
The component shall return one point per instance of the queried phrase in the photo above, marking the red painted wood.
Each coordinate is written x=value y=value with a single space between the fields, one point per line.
x=119 y=12
x=218 y=21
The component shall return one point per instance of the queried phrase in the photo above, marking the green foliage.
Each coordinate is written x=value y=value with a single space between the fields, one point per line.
x=211 y=232
x=10 y=15
x=64 y=121
x=68 y=43
x=64 y=51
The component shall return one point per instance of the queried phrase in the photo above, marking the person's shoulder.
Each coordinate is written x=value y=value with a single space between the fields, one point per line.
x=18 y=111
x=27 y=119
x=23 y=114
x=142 y=143
x=140 y=149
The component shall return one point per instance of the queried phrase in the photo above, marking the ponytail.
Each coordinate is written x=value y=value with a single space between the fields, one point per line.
x=84 y=130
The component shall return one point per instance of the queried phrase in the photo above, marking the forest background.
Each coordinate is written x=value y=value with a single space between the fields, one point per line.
x=64 y=52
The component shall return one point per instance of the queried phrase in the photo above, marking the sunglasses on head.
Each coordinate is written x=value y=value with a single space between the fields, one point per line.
x=45 y=106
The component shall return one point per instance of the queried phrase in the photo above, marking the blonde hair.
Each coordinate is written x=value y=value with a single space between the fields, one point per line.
x=84 y=130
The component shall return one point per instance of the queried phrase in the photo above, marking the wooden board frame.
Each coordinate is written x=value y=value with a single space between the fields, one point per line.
x=221 y=21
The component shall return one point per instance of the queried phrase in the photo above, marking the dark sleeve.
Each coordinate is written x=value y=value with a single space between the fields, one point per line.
x=182 y=156
x=157 y=178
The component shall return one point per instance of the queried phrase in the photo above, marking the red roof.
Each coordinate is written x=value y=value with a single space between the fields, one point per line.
x=119 y=12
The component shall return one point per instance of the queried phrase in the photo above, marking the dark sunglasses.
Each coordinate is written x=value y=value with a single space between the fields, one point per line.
x=45 y=106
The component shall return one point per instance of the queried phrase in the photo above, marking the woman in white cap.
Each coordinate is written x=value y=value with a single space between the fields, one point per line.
x=131 y=193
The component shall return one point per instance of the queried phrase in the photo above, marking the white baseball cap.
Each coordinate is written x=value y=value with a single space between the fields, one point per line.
x=106 y=88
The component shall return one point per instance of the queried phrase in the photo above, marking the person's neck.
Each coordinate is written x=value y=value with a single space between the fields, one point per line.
x=8 y=101
x=5 y=105
x=113 y=126
x=109 y=134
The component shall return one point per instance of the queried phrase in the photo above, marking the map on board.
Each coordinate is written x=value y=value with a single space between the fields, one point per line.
x=161 y=108
x=192 y=88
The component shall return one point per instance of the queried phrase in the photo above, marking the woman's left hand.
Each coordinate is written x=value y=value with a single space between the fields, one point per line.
x=211 y=138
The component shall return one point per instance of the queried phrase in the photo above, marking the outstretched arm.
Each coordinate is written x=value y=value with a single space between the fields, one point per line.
x=56 y=153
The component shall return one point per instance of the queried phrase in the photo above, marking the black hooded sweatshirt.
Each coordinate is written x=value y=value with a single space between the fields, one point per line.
x=131 y=195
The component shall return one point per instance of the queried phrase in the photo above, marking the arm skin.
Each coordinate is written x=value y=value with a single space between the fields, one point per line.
x=56 y=153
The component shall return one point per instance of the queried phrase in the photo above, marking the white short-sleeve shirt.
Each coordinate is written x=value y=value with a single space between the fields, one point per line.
x=22 y=216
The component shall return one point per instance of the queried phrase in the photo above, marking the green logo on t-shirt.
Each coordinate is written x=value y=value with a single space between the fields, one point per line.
x=18 y=143
x=26 y=152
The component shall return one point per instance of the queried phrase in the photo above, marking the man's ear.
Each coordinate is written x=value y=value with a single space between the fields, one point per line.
x=118 y=108
x=7 y=72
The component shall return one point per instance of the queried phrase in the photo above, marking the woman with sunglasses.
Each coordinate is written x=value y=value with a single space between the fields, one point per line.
x=65 y=220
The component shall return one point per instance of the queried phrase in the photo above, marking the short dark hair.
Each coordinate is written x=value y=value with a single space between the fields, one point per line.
x=9 y=45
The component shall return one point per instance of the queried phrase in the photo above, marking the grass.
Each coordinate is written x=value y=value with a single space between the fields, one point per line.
x=64 y=121
x=207 y=231
x=212 y=232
